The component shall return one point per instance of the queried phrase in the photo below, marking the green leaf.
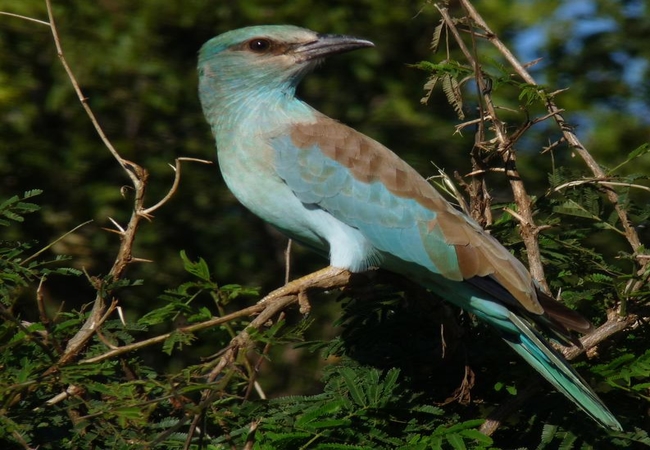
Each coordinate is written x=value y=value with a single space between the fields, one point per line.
x=333 y=446
x=638 y=152
x=350 y=379
x=330 y=423
x=456 y=441
x=477 y=436
x=177 y=338
x=199 y=268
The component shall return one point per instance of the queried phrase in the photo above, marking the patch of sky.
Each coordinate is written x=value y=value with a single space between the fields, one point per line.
x=585 y=22
x=582 y=20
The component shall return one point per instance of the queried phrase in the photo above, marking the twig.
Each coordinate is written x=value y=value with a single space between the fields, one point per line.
x=528 y=229
x=31 y=19
x=498 y=415
x=630 y=233
x=246 y=312
x=19 y=438
x=317 y=280
x=70 y=391
x=287 y=262
x=252 y=382
x=85 y=333
x=172 y=190
x=40 y=302
x=84 y=101
x=250 y=439
x=274 y=303
x=10 y=317
x=614 y=324
x=138 y=177
x=597 y=181
x=31 y=257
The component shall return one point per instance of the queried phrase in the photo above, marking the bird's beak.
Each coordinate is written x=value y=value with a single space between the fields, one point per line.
x=329 y=44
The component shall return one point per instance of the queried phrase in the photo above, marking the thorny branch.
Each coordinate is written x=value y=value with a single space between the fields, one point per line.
x=138 y=176
x=630 y=232
x=265 y=310
x=505 y=147
x=529 y=231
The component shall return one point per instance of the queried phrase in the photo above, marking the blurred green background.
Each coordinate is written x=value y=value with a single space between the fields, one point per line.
x=136 y=62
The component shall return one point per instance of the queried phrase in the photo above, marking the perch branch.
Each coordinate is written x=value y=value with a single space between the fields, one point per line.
x=288 y=293
x=267 y=308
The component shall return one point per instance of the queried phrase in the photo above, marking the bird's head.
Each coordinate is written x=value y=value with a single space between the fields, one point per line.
x=266 y=57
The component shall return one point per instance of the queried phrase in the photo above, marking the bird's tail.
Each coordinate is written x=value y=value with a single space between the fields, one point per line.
x=552 y=366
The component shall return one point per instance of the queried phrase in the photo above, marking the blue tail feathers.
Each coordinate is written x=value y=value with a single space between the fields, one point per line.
x=537 y=352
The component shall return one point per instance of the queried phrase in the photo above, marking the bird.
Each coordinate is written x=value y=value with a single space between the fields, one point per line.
x=343 y=194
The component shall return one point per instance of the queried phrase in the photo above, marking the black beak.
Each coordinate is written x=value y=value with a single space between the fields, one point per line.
x=329 y=44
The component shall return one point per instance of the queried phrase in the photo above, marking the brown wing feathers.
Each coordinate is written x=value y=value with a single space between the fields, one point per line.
x=478 y=254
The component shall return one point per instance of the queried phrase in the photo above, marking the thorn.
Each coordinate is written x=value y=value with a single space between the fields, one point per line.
x=532 y=63
x=110 y=230
x=521 y=220
x=121 y=314
x=145 y=215
x=141 y=260
x=117 y=225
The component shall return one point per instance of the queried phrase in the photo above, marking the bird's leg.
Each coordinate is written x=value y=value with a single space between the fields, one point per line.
x=327 y=278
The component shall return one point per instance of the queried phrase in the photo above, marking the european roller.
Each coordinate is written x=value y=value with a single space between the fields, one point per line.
x=342 y=193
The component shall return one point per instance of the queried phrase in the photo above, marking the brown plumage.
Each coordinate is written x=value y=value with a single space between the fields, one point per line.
x=478 y=253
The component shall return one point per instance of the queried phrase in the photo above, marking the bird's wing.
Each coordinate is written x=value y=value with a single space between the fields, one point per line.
x=364 y=184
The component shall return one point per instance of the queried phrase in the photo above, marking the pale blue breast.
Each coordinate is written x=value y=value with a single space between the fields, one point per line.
x=248 y=164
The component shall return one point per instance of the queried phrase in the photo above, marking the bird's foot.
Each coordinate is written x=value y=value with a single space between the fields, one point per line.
x=327 y=278
x=303 y=301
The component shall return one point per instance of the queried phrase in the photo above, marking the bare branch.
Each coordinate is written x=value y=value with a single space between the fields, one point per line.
x=138 y=176
x=172 y=190
x=615 y=324
x=498 y=415
x=597 y=181
x=84 y=101
x=528 y=229
x=31 y=19
x=48 y=246
x=328 y=278
x=630 y=233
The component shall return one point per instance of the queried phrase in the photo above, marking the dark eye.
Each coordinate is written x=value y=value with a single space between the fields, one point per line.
x=259 y=45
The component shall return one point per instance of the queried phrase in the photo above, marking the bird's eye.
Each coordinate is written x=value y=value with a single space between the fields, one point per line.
x=259 y=45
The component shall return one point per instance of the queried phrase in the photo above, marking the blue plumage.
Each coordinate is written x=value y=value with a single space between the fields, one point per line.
x=338 y=191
